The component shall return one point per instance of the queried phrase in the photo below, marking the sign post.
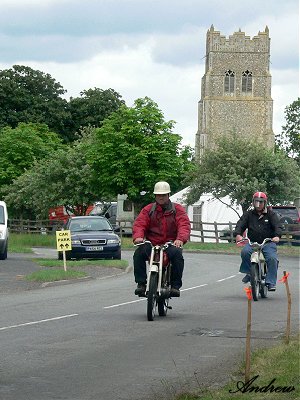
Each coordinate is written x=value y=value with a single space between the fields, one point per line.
x=64 y=243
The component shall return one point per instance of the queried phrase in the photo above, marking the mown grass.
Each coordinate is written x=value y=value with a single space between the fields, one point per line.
x=54 y=275
x=47 y=262
x=51 y=274
x=23 y=243
x=280 y=362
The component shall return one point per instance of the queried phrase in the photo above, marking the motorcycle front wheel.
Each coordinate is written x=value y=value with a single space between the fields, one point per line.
x=254 y=281
x=151 y=296
x=263 y=286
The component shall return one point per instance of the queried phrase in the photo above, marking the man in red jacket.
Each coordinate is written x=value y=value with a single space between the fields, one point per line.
x=159 y=223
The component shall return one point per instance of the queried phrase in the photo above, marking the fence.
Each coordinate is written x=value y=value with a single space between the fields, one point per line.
x=34 y=226
x=201 y=231
x=216 y=232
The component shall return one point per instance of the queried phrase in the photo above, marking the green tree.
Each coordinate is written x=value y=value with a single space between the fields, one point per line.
x=93 y=107
x=238 y=167
x=134 y=148
x=28 y=95
x=21 y=146
x=61 y=179
x=289 y=140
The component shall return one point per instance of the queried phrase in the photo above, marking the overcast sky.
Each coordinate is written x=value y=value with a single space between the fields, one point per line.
x=141 y=48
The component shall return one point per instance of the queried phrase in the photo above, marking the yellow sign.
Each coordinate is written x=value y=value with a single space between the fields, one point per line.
x=63 y=240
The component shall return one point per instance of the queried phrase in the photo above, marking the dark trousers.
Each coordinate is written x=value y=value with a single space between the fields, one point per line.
x=142 y=254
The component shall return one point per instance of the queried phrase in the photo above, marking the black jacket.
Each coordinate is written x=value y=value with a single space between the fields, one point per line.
x=260 y=227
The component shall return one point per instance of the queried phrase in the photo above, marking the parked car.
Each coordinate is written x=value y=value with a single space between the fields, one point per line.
x=289 y=216
x=226 y=234
x=92 y=237
x=3 y=231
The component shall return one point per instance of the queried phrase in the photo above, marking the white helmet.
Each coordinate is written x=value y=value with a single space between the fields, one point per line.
x=161 y=188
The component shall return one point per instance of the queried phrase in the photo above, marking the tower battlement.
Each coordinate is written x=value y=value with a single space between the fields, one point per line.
x=238 y=42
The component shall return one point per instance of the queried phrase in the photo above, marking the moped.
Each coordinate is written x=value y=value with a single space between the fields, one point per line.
x=258 y=269
x=158 y=287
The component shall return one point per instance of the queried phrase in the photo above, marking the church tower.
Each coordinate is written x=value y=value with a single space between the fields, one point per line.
x=235 y=89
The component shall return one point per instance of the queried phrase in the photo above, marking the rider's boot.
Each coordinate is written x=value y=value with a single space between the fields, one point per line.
x=140 y=290
x=246 y=279
x=174 y=292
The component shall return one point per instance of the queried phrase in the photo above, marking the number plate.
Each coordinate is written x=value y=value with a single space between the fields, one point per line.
x=94 y=248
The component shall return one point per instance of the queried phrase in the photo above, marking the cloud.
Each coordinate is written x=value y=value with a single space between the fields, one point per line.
x=145 y=48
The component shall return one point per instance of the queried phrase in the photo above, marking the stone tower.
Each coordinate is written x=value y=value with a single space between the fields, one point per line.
x=235 y=89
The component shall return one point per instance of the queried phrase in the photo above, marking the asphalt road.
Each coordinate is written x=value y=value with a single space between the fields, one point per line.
x=92 y=340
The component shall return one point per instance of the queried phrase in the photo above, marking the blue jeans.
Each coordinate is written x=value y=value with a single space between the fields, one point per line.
x=270 y=253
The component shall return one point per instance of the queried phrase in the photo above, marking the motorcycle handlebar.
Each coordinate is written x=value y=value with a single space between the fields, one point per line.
x=167 y=244
x=266 y=240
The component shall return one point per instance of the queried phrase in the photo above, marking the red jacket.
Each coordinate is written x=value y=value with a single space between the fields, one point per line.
x=162 y=226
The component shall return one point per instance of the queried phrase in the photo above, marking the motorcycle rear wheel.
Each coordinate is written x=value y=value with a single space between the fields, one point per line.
x=162 y=306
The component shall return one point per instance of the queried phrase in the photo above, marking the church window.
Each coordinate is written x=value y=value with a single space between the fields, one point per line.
x=247 y=82
x=229 y=81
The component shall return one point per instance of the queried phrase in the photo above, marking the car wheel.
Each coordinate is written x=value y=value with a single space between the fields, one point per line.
x=296 y=237
x=117 y=257
x=3 y=256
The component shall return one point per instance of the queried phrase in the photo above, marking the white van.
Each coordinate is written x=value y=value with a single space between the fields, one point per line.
x=125 y=214
x=3 y=231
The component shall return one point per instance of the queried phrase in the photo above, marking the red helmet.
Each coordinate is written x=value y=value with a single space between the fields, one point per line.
x=260 y=196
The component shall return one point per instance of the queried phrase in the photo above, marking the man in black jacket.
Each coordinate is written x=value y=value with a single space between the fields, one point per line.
x=261 y=223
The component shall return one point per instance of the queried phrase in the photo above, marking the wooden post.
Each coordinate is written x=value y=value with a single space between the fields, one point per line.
x=231 y=232
x=248 y=335
x=65 y=261
x=216 y=232
x=288 y=320
x=201 y=232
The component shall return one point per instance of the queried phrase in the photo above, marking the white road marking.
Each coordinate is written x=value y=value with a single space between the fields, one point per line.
x=124 y=304
x=224 y=279
x=136 y=301
x=182 y=290
x=38 y=322
x=194 y=287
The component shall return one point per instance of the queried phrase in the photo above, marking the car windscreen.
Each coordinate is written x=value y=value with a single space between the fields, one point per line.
x=90 y=224
x=2 y=220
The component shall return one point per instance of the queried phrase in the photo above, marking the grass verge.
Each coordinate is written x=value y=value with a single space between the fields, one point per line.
x=23 y=242
x=51 y=275
x=273 y=367
x=47 y=262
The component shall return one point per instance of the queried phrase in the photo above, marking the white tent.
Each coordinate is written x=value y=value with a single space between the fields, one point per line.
x=208 y=209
